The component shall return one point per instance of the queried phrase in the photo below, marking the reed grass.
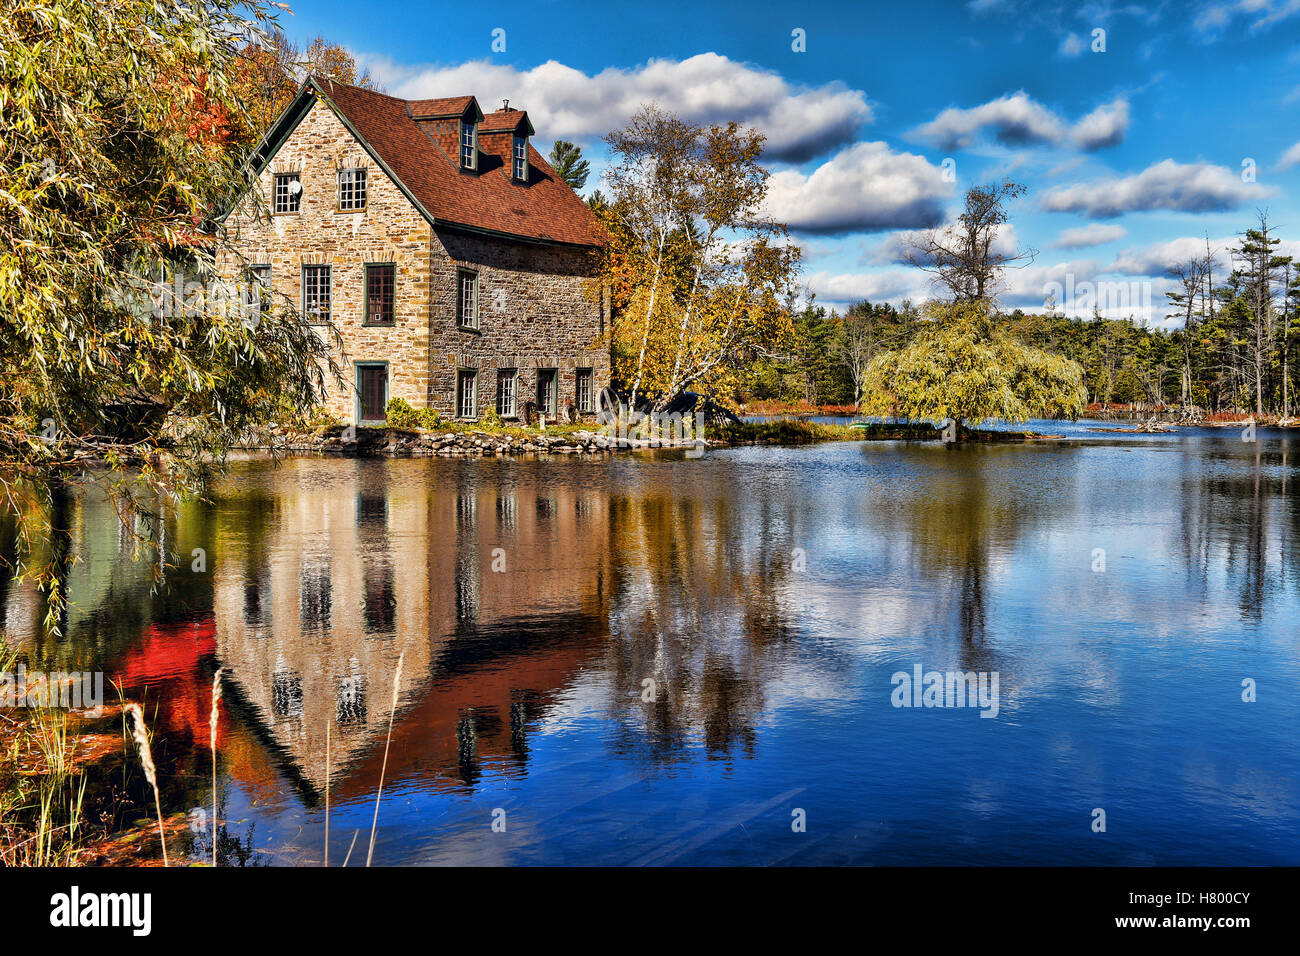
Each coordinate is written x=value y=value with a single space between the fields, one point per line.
x=212 y=743
x=140 y=733
x=397 y=680
x=327 y=791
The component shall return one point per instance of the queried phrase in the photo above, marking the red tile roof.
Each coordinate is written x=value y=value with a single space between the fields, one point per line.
x=503 y=121
x=543 y=209
x=442 y=106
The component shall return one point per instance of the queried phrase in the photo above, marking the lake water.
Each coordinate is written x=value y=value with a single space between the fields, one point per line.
x=657 y=660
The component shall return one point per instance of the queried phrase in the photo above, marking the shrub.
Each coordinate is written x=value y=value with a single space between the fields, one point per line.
x=399 y=414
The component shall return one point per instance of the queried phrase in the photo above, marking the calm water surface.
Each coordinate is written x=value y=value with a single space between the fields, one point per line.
x=770 y=594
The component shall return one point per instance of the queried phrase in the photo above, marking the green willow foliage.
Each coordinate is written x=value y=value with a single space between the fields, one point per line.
x=964 y=366
x=114 y=171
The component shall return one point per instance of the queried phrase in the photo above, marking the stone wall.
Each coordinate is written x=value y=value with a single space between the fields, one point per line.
x=535 y=307
x=389 y=229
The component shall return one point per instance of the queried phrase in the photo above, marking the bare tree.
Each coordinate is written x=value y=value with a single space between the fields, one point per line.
x=1191 y=275
x=965 y=256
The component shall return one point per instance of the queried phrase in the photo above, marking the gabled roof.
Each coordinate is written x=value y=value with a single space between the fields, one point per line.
x=507 y=121
x=542 y=209
x=444 y=106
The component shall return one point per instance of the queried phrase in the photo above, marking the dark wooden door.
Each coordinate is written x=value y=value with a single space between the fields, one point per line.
x=374 y=391
x=546 y=392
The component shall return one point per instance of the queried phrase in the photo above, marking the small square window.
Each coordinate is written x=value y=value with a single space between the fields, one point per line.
x=288 y=193
x=468 y=145
x=521 y=158
x=507 y=387
x=467 y=393
x=379 y=293
x=316 y=294
x=467 y=299
x=352 y=189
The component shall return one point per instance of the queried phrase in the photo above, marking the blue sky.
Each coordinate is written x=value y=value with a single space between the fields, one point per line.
x=1131 y=155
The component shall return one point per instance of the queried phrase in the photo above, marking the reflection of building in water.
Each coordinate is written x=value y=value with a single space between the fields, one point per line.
x=313 y=611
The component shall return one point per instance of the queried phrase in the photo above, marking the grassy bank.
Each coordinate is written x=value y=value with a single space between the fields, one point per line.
x=800 y=432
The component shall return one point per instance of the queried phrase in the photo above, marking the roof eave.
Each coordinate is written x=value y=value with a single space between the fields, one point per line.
x=516 y=237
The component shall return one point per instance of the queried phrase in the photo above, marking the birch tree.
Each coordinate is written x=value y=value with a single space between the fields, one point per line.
x=707 y=269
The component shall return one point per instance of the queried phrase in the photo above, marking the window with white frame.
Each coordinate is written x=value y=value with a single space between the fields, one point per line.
x=467 y=299
x=521 y=158
x=583 y=390
x=467 y=393
x=316 y=294
x=507 y=382
x=287 y=193
x=468 y=145
x=257 y=289
x=352 y=189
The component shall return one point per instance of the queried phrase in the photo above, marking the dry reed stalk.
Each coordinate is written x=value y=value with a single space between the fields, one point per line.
x=141 y=735
x=397 y=680
x=327 y=791
x=355 y=834
x=212 y=741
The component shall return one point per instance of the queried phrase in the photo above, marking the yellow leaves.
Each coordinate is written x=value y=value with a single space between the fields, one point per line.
x=962 y=366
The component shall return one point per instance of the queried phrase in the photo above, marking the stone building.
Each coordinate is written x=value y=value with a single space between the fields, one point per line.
x=453 y=260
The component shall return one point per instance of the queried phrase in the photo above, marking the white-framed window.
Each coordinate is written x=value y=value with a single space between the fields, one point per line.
x=467 y=299
x=507 y=389
x=316 y=294
x=521 y=158
x=257 y=289
x=287 y=194
x=352 y=189
x=468 y=145
x=467 y=393
x=583 y=392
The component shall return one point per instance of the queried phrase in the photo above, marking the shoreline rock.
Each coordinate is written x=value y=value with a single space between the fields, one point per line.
x=413 y=443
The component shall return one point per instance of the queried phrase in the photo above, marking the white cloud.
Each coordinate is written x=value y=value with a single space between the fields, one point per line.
x=1071 y=45
x=1104 y=126
x=1261 y=14
x=1016 y=119
x=887 y=285
x=1159 y=258
x=1093 y=234
x=800 y=121
x=1290 y=158
x=1167 y=185
x=866 y=187
x=896 y=248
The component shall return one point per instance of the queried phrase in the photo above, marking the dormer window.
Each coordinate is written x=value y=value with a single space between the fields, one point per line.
x=521 y=158
x=468 y=145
